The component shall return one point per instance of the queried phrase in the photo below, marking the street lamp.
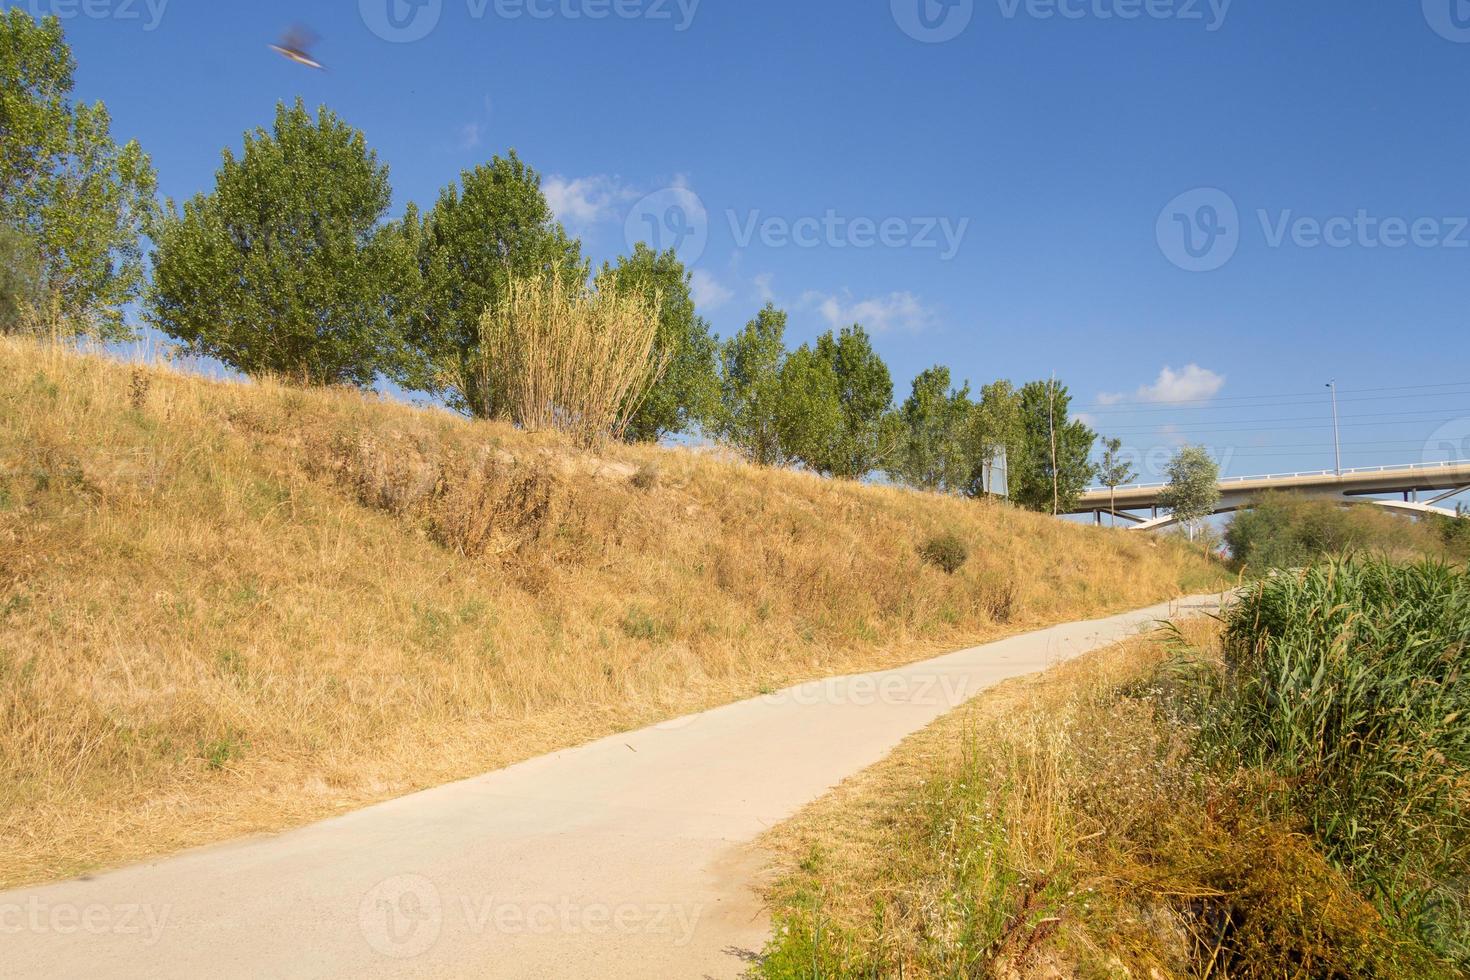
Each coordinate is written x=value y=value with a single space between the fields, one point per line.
x=1336 y=428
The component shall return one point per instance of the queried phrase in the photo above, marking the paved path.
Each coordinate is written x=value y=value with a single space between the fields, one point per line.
x=627 y=857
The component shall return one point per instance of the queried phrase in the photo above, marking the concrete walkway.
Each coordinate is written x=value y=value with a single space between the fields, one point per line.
x=627 y=857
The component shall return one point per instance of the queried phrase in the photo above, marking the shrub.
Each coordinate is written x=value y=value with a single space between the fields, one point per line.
x=563 y=356
x=1286 y=531
x=646 y=477
x=1346 y=687
x=946 y=552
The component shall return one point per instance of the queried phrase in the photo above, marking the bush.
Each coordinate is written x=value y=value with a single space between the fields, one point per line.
x=946 y=552
x=646 y=476
x=1346 y=687
x=284 y=269
x=1287 y=531
x=562 y=356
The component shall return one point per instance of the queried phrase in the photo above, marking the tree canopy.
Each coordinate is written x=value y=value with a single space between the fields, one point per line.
x=994 y=432
x=284 y=269
x=76 y=203
x=687 y=395
x=863 y=438
x=1114 y=470
x=1194 y=486
x=750 y=388
x=1035 y=483
x=935 y=421
x=491 y=227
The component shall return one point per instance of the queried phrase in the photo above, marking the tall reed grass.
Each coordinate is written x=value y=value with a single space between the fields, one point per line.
x=566 y=356
x=1347 y=686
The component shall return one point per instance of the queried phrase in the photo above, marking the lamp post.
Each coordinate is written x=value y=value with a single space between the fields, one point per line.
x=1336 y=428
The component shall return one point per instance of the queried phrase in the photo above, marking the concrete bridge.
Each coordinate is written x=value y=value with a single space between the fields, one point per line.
x=1357 y=486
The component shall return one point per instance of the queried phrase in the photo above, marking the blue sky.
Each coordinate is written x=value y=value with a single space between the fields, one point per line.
x=1010 y=188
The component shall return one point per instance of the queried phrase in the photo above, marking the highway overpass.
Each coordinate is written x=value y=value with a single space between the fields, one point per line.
x=1357 y=486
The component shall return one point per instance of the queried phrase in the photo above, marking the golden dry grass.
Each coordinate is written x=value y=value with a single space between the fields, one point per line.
x=569 y=356
x=230 y=608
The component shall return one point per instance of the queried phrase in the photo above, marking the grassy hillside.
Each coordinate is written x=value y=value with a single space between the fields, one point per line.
x=228 y=608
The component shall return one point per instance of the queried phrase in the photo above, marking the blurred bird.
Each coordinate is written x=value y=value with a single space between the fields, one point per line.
x=296 y=45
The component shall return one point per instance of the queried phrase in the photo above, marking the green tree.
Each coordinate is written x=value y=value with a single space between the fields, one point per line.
x=994 y=431
x=285 y=269
x=935 y=423
x=79 y=200
x=808 y=408
x=687 y=395
x=1113 y=471
x=1194 y=487
x=1037 y=484
x=750 y=388
x=491 y=227
x=862 y=439
x=20 y=281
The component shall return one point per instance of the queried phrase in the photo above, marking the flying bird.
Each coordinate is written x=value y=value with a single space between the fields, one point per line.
x=296 y=44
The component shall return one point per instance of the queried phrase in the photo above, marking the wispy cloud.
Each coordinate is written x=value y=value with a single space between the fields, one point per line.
x=580 y=202
x=763 y=287
x=709 y=292
x=1193 y=383
x=896 y=311
x=469 y=136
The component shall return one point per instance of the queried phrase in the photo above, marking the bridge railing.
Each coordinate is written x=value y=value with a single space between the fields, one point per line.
x=1295 y=476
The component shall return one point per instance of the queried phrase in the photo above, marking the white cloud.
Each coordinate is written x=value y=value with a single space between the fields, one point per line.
x=709 y=294
x=469 y=136
x=763 y=287
x=583 y=201
x=901 y=311
x=1193 y=383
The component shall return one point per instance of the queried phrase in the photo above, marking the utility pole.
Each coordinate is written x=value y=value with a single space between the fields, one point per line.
x=1336 y=428
x=1051 y=423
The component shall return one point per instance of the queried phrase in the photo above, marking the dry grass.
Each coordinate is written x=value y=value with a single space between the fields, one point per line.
x=1058 y=827
x=230 y=608
x=567 y=356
